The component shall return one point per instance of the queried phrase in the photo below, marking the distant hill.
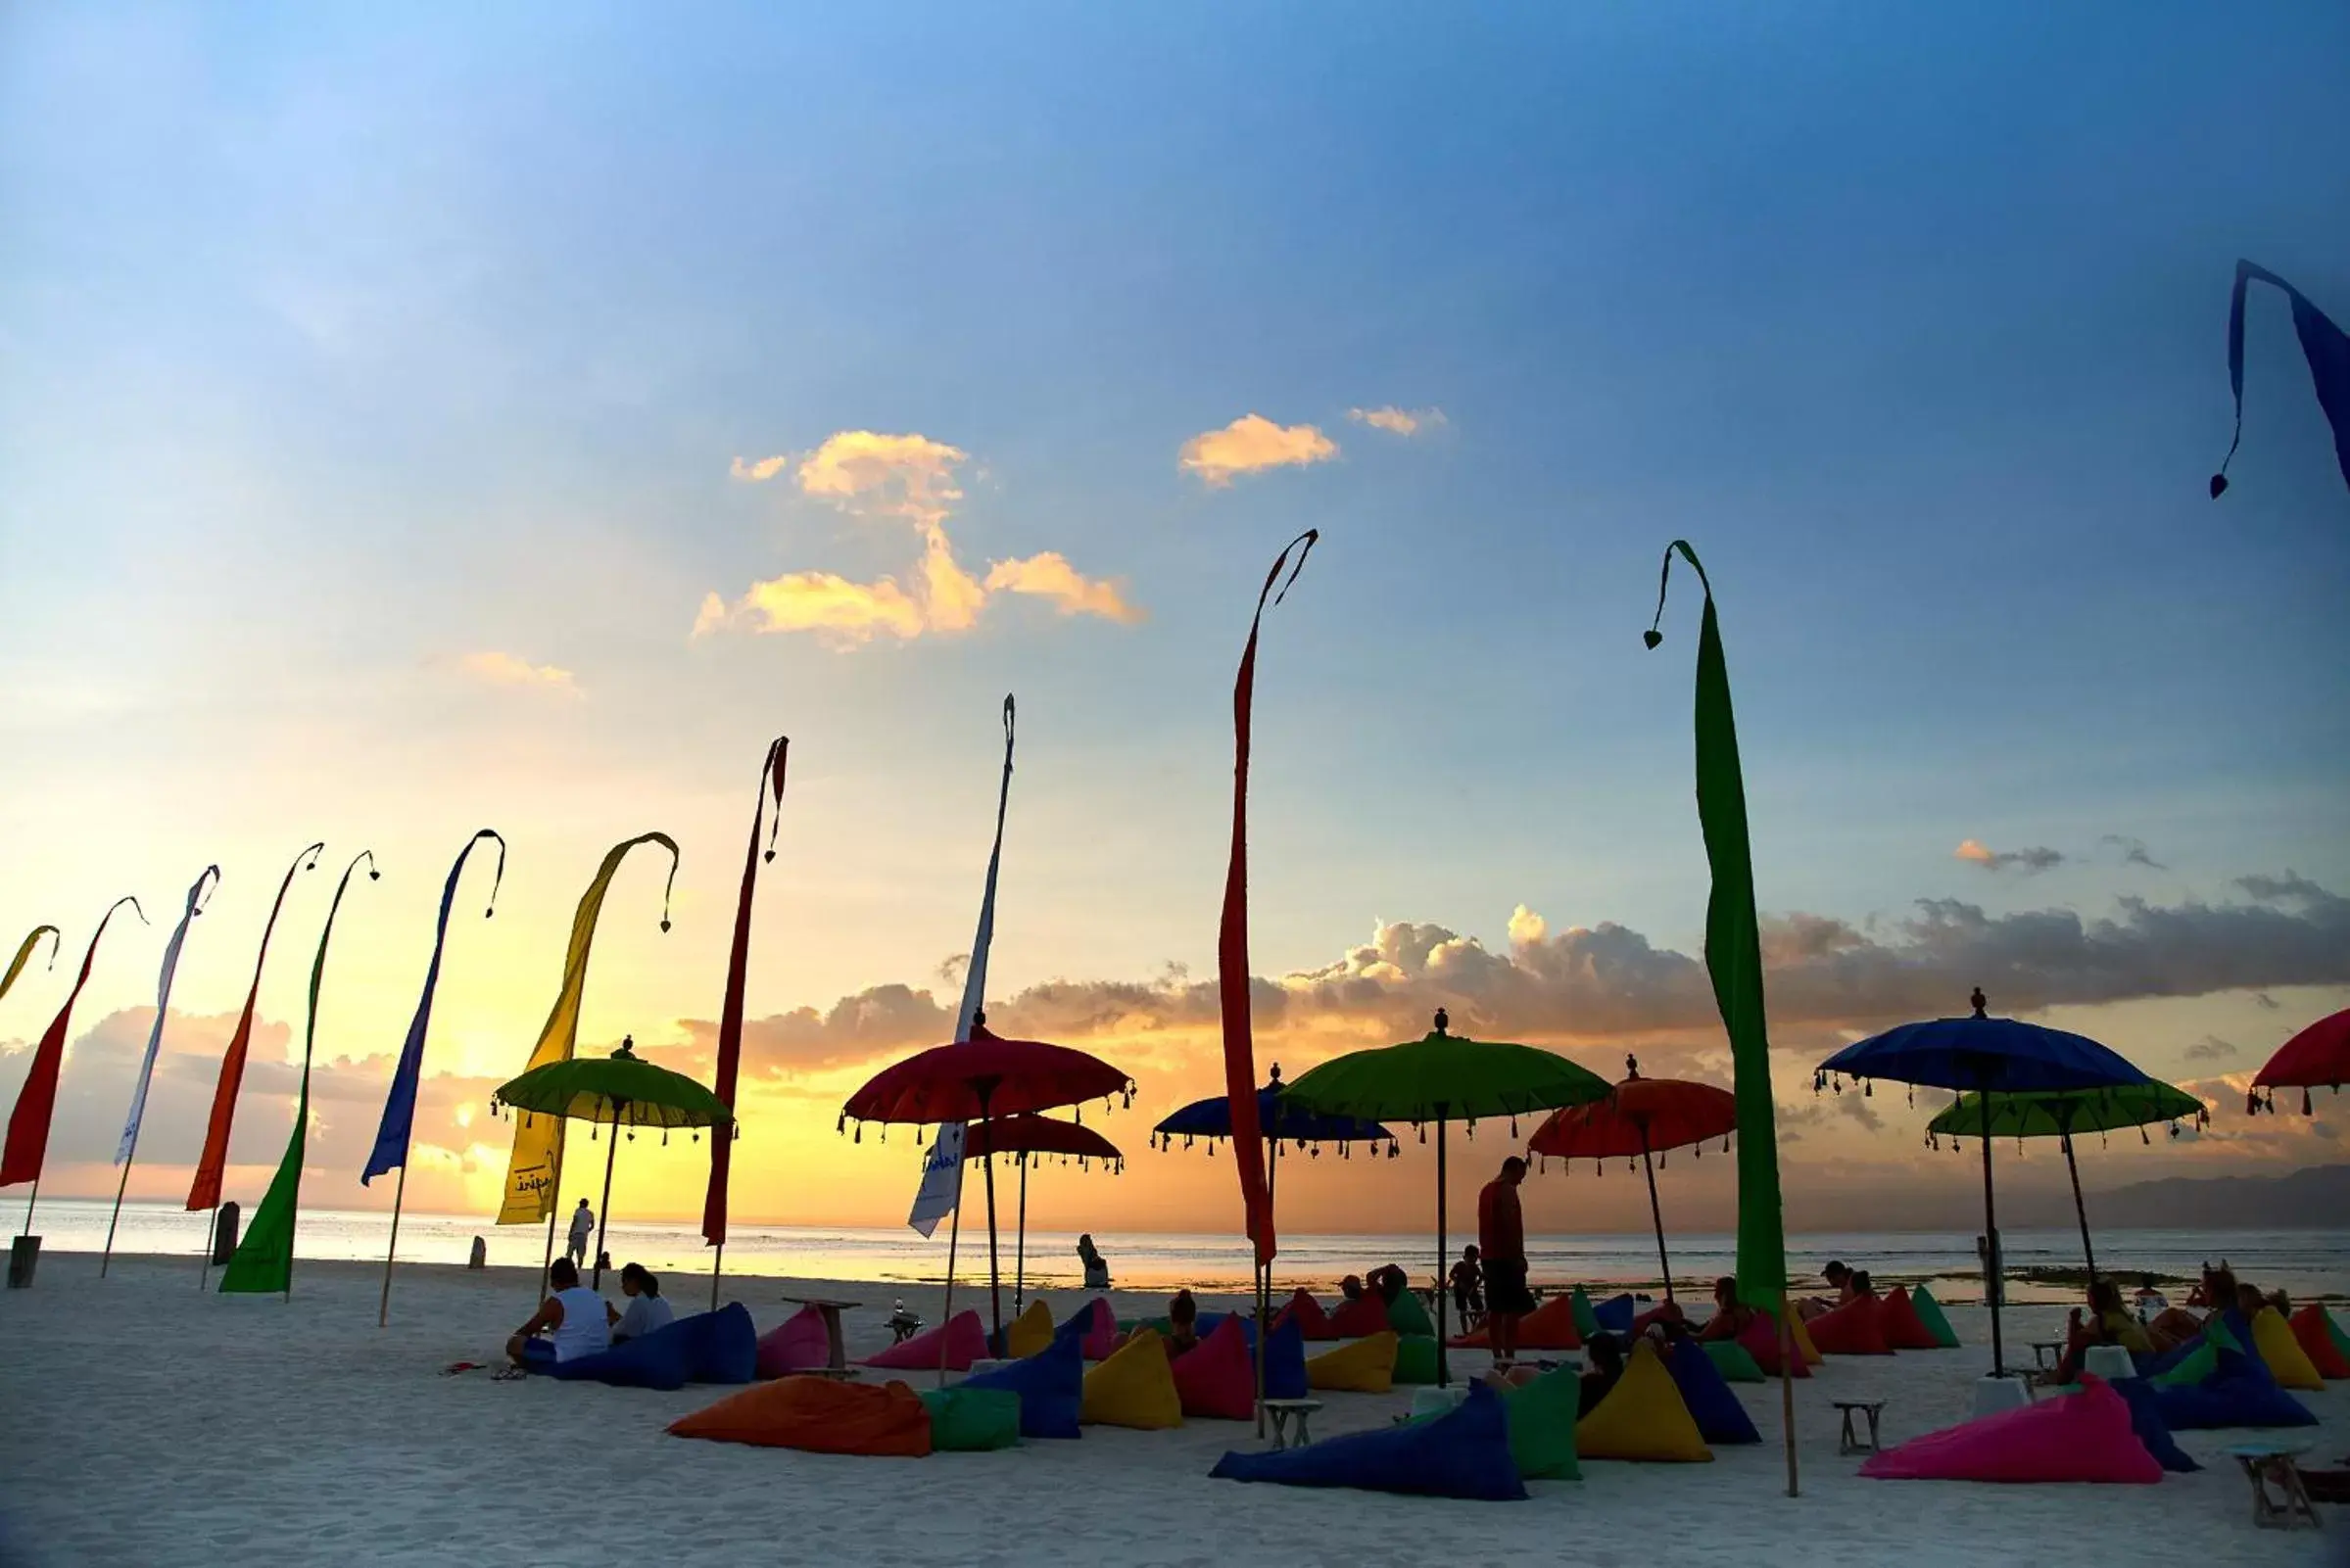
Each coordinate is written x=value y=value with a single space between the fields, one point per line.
x=2317 y=1198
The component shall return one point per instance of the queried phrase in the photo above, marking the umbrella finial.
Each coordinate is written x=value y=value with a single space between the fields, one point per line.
x=1444 y=1020
x=627 y=1049
x=1977 y=1001
x=978 y=1018
x=1277 y=1074
x=1631 y=1065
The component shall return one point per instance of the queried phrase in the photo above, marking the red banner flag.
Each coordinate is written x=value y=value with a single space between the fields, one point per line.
x=737 y=965
x=29 y=1124
x=205 y=1191
x=1231 y=942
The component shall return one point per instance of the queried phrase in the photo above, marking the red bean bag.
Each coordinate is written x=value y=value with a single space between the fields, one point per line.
x=1217 y=1378
x=961 y=1340
x=1900 y=1324
x=799 y=1344
x=1360 y=1318
x=1761 y=1341
x=2309 y=1326
x=818 y=1415
x=1098 y=1339
x=2082 y=1437
x=1307 y=1314
x=1849 y=1330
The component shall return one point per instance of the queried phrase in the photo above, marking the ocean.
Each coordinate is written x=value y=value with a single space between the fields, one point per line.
x=2303 y=1263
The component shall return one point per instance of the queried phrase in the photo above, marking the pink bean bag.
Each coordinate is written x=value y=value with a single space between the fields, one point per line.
x=2078 y=1436
x=1761 y=1341
x=799 y=1344
x=1101 y=1331
x=1851 y=1329
x=960 y=1341
x=1307 y=1314
x=1900 y=1324
x=1218 y=1377
x=1359 y=1318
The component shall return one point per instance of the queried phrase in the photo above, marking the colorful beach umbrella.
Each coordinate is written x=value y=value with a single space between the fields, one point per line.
x=618 y=1091
x=2061 y=1116
x=1644 y=1117
x=2319 y=1057
x=1444 y=1077
x=974 y=1079
x=1027 y=1140
x=1991 y=1057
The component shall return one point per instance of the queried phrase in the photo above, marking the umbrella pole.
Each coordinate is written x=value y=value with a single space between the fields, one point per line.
x=2080 y=1209
x=604 y=1213
x=1443 y=1371
x=1787 y=1387
x=1020 y=1248
x=383 y=1308
x=1990 y=1247
x=1655 y=1213
x=1264 y=1273
x=211 y=1232
x=717 y=1268
x=954 y=1234
x=996 y=1282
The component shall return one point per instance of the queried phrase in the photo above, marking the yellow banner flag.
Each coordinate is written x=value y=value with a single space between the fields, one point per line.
x=17 y=966
x=536 y=1161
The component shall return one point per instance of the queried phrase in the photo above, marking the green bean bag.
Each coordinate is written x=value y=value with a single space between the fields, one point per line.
x=965 y=1420
x=1415 y=1358
x=1930 y=1312
x=1735 y=1362
x=1405 y=1316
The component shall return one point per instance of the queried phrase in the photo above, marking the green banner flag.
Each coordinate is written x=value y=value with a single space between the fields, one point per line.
x=1734 y=954
x=264 y=1261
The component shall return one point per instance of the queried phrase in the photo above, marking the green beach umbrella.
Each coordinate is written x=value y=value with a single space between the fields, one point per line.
x=2060 y=1114
x=620 y=1091
x=1444 y=1077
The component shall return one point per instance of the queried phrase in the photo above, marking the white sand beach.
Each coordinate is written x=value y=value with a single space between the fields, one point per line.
x=144 y=1422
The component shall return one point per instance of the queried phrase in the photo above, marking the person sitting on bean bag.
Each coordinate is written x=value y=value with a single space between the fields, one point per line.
x=2109 y=1323
x=647 y=1307
x=1182 y=1323
x=1840 y=1279
x=1730 y=1314
x=1388 y=1282
x=574 y=1321
x=1607 y=1370
x=2215 y=1293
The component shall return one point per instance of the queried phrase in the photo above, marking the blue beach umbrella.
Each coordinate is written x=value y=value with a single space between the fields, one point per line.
x=1985 y=1056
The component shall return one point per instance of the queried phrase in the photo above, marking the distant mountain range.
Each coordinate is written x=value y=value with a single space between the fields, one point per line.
x=2317 y=1198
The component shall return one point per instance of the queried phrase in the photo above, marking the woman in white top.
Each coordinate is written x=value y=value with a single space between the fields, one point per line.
x=574 y=1321
x=648 y=1309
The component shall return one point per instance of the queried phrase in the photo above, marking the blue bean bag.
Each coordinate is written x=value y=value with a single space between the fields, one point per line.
x=656 y=1361
x=2241 y=1393
x=1463 y=1453
x=2145 y=1419
x=1720 y=1417
x=721 y=1347
x=1616 y=1312
x=1051 y=1384
x=1285 y=1355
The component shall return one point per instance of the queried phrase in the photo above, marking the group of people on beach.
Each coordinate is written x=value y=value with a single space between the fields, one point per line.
x=575 y=1320
x=2157 y=1327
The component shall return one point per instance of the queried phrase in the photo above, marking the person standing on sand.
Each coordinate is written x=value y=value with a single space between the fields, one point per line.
x=583 y=1225
x=1501 y=1257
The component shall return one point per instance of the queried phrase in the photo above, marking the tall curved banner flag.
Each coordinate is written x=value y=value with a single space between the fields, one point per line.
x=205 y=1191
x=32 y=939
x=264 y=1259
x=400 y=1105
x=1734 y=954
x=2323 y=345
x=1231 y=937
x=538 y=1157
x=29 y=1124
x=197 y=890
x=737 y=970
x=941 y=1186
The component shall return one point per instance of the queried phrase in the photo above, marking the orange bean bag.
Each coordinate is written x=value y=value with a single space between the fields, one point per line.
x=1307 y=1314
x=1852 y=1329
x=1898 y=1322
x=2309 y=1327
x=817 y=1414
x=1360 y=1318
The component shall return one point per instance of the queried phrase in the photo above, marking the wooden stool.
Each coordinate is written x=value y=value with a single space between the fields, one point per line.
x=1849 y=1440
x=1284 y=1411
x=2042 y=1349
x=2264 y=1462
x=830 y=1312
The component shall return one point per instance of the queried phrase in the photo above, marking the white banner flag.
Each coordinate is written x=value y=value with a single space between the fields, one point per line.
x=163 y=1005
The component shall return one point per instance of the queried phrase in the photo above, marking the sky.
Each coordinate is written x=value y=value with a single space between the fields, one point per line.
x=426 y=422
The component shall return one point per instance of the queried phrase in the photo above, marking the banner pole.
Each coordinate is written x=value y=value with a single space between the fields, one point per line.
x=383 y=1310
x=107 y=1258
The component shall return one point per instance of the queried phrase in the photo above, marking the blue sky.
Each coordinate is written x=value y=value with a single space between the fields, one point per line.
x=344 y=349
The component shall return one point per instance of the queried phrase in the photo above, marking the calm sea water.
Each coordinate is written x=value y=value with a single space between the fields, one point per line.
x=2305 y=1263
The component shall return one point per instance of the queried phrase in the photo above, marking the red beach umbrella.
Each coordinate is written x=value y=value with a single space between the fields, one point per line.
x=980 y=1080
x=1028 y=1139
x=2318 y=1057
x=1643 y=1117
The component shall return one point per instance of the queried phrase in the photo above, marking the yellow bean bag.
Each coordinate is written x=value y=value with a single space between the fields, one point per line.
x=1135 y=1387
x=1367 y=1366
x=1031 y=1333
x=1642 y=1417
x=1811 y=1352
x=2288 y=1363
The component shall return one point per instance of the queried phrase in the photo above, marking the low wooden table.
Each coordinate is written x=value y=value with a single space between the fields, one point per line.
x=2264 y=1462
x=2042 y=1349
x=1849 y=1442
x=1284 y=1411
x=830 y=1312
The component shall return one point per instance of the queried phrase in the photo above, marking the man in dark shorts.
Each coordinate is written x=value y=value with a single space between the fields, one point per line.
x=1502 y=1256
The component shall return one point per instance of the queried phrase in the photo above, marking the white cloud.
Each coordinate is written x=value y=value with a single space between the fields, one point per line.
x=1252 y=443
x=505 y=669
x=760 y=472
x=1399 y=421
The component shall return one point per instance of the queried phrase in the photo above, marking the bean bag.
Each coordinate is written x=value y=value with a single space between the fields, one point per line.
x=1367 y=1366
x=1157 y=1325
x=1359 y=1318
x=1461 y=1454
x=1586 y=1322
x=1285 y=1359
x=2086 y=1438
x=819 y=1415
x=1548 y=1327
x=2230 y=1333
x=1930 y=1313
x=799 y=1344
x=1541 y=1425
x=1407 y=1314
x=1711 y=1403
x=2288 y=1363
x=1414 y=1358
x=1031 y=1332
x=2145 y=1419
x=1735 y=1362
x=2198 y=1360
x=1051 y=1386
x=1900 y=1325
x=1307 y=1314
x=721 y=1347
x=2241 y=1393
x=1642 y=1417
x=1851 y=1329
x=1614 y=1314
x=1761 y=1339
x=2311 y=1326
x=1096 y=1328
x=1135 y=1387
x=1804 y=1341
x=656 y=1362
x=2341 y=1341
x=969 y=1420
x=959 y=1341
x=1217 y=1378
